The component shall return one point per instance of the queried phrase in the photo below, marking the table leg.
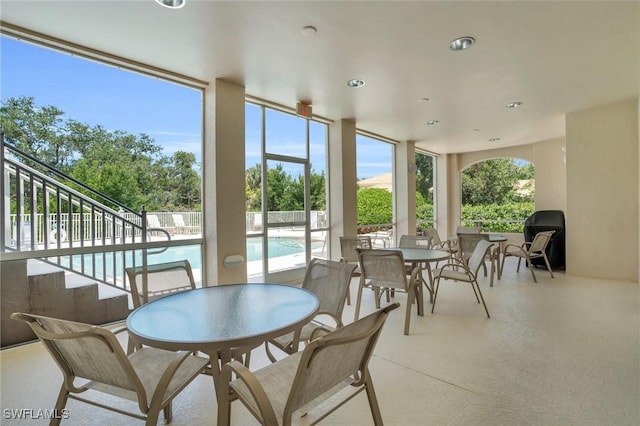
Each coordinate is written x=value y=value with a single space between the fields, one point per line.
x=431 y=288
x=220 y=380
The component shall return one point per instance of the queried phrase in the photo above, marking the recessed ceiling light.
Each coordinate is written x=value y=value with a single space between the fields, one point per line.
x=423 y=100
x=355 y=83
x=309 y=30
x=171 y=4
x=462 y=43
x=494 y=139
x=513 y=104
x=432 y=122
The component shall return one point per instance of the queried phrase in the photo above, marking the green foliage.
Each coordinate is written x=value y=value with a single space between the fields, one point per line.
x=506 y=217
x=374 y=206
x=125 y=167
x=424 y=177
x=284 y=192
x=489 y=182
x=424 y=212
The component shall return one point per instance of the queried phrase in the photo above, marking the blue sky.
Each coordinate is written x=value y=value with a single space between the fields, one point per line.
x=96 y=94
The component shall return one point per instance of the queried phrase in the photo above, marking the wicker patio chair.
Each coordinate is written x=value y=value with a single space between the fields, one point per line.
x=309 y=385
x=329 y=281
x=150 y=377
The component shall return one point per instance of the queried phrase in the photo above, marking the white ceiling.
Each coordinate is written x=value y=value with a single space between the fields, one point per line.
x=556 y=57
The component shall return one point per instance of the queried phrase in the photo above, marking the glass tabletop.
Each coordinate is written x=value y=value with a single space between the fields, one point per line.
x=222 y=316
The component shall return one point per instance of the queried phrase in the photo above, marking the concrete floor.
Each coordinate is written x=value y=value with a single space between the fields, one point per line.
x=560 y=352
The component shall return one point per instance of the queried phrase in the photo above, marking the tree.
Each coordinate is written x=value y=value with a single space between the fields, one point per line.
x=38 y=131
x=253 y=177
x=489 y=182
x=128 y=168
x=424 y=176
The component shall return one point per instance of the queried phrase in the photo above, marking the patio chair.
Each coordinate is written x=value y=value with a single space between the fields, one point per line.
x=150 y=377
x=384 y=270
x=181 y=227
x=438 y=244
x=459 y=270
x=469 y=230
x=349 y=253
x=310 y=385
x=531 y=250
x=154 y=226
x=415 y=241
x=153 y=281
x=466 y=246
x=329 y=281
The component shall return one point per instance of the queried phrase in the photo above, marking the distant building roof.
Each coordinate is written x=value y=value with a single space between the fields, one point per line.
x=383 y=181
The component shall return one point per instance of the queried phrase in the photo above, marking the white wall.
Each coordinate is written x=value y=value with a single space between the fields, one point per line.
x=602 y=191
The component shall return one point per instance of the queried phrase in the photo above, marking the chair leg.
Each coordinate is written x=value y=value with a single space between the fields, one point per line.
x=475 y=292
x=270 y=355
x=518 y=268
x=435 y=294
x=407 y=318
x=546 y=261
x=61 y=402
x=358 y=299
x=373 y=400
x=168 y=412
x=533 y=274
x=482 y=298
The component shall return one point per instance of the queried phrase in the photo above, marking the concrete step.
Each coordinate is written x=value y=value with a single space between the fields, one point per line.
x=44 y=289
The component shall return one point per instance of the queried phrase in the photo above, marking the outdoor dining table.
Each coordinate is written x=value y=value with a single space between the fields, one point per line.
x=216 y=320
x=422 y=255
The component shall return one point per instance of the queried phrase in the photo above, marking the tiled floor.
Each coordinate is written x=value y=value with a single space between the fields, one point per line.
x=559 y=352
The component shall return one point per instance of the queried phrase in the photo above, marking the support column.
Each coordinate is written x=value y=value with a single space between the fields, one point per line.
x=405 y=189
x=223 y=183
x=342 y=183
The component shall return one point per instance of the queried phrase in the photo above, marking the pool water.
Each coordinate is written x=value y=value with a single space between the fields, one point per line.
x=105 y=262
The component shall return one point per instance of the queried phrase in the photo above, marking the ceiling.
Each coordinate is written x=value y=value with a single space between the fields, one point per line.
x=555 y=57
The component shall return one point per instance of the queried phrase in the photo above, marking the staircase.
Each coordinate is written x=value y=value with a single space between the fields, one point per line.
x=42 y=289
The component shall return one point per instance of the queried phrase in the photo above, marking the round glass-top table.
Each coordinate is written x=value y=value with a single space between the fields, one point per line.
x=217 y=320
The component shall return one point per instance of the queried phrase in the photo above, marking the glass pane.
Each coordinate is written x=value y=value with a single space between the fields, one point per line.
x=424 y=191
x=318 y=177
x=374 y=168
x=253 y=161
x=254 y=259
x=286 y=216
x=285 y=134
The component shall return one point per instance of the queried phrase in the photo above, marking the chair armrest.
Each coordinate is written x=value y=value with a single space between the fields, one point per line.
x=521 y=248
x=168 y=374
x=257 y=391
x=119 y=329
x=455 y=265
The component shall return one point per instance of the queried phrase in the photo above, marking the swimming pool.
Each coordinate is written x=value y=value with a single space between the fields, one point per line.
x=278 y=247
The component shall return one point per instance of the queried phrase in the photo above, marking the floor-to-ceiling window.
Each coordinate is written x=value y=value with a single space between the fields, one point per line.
x=133 y=138
x=425 y=190
x=374 y=169
x=287 y=218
